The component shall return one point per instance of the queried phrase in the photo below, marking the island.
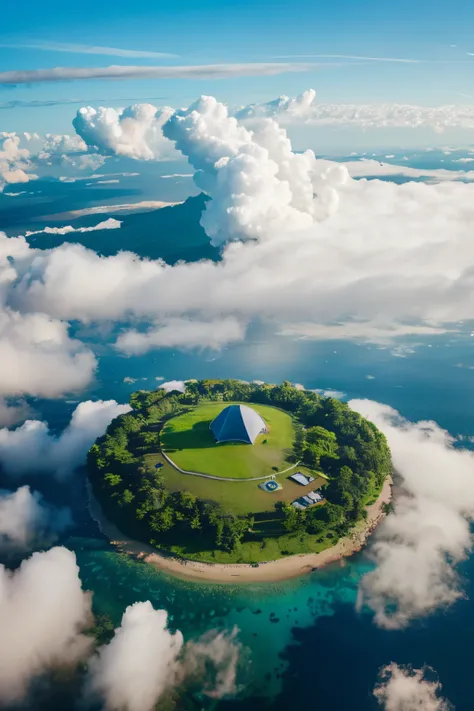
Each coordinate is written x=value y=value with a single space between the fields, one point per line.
x=232 y=475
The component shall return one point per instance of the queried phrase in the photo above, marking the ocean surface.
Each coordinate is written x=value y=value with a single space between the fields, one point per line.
x=301 y=639
x=304 y=646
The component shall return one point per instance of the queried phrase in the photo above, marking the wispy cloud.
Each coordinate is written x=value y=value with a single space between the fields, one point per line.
x=350 y=56
x=204 y=71
x=5 y=105
x=88 y=49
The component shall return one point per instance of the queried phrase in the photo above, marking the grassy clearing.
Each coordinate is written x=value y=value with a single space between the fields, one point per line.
x=189 y=442
x=259 y=551
x=237 y=497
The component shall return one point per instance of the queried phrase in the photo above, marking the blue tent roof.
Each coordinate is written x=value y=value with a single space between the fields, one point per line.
x=237 y=423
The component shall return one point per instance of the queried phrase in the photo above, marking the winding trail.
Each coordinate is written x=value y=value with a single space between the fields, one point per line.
x=223 y=478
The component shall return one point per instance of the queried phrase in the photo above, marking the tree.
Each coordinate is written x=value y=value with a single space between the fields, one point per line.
x=162 y=520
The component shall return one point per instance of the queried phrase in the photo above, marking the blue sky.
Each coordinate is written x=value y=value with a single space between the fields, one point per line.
x=219 y=31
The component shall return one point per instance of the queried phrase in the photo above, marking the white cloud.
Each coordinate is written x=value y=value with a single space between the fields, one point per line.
x=217 y=652
x=109 y=224
x=58 y=144
x=204 y=71
x=39 y=358
x=171 y=385
x=89 y=49
x=135 y=132
x=14 y=161
x=27 y=521
x=324 y=256
x=43 y=610
x=305 y=109
x=256 y=182
x=89 y=161
x=140 y=662
x=144 y=660
x=417 y=548
x=126 y=208
x=183 y=333
x=405 y=689
x=33 y=448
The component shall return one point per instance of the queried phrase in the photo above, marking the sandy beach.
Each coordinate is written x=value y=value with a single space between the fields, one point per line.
x=272 y=571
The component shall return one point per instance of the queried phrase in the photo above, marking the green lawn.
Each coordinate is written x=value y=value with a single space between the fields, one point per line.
x=257 y=551
x=189 y=442
x=238 y=497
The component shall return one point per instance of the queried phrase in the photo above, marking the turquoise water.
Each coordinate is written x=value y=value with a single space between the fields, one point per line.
x=264 y=614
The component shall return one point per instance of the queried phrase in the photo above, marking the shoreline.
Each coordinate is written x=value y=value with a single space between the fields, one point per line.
x=271 y=571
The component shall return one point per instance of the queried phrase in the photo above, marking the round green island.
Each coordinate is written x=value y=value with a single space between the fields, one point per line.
x=234 y=472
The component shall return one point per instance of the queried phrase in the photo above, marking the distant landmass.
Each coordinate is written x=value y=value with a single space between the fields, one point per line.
x=170 y=233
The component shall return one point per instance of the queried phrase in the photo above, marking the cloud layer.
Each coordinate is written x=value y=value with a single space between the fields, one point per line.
x=376 y=256
x=32 y=448
x=417 y=548
x=183 y=333
x=305 y=109
x=43 y=611
x=305 y=247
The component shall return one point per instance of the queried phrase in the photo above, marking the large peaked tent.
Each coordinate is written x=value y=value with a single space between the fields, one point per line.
x=237 y=423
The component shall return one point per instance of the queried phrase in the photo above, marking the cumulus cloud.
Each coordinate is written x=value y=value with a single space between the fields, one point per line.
x=405 y=689
x=183 y=333
x=204 y=71
x=14 y=161
x=27 y=521
x=171 y=385
x=295 y=107
x=256 y=182
x=144 y=660
x=60 y=144
x=109 y=224
x=135 y=132
x=417 y=548
x=140 y=662
x=88 y=161
x=32 y=448
x=43 y=611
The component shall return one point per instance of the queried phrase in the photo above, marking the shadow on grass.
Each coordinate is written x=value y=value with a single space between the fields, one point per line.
x=199 y=436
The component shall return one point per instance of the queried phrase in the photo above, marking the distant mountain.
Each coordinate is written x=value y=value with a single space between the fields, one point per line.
x=170 y=233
